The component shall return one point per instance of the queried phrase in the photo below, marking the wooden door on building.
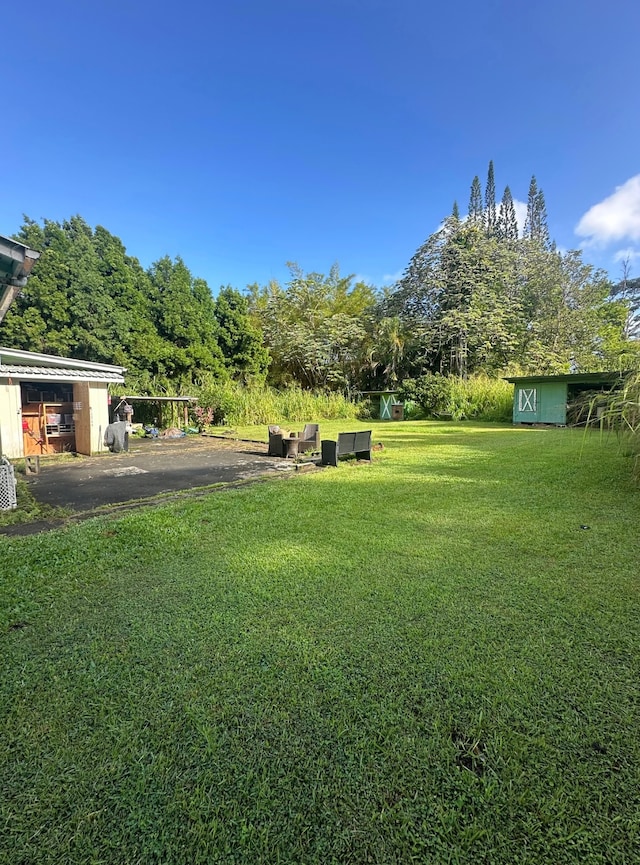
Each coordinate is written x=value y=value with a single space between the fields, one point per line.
x=47 y=419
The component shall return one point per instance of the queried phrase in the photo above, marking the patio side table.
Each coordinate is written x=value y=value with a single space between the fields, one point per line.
x=291 y=447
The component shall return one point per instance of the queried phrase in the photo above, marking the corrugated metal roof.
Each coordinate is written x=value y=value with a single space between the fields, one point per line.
x=37 y=373
x=17 y=356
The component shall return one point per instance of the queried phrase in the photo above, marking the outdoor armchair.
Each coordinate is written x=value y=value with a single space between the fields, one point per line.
x=309 y=438
x=276 y=446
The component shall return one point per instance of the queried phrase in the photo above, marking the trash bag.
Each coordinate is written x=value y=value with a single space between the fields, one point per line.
x=114 y=436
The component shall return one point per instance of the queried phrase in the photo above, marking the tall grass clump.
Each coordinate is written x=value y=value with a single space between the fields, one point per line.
x=243 y=405
x=622 y=413
x=478 y=397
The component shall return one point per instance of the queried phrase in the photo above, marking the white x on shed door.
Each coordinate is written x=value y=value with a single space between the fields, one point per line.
x=527 y=399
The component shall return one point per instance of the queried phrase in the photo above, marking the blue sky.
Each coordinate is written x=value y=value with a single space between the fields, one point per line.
x=247 y=133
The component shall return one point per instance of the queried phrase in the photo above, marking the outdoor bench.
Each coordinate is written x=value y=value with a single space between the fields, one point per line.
x=358 y=443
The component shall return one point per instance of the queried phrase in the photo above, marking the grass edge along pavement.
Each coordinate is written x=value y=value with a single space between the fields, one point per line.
x=423 y=659
x=29 y=509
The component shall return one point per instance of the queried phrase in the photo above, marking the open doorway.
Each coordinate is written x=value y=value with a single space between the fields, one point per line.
x=48 y=425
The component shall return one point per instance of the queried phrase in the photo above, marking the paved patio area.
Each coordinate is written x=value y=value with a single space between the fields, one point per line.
x=152 y=467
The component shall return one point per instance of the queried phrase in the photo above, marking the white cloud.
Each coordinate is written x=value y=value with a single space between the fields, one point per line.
x=615 y=218
x=624 y=254
x=385 y=279
x=391 y=278
x=521 y=214
x=520 y=208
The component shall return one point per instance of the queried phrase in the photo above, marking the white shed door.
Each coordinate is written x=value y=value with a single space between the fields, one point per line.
x=11 y=421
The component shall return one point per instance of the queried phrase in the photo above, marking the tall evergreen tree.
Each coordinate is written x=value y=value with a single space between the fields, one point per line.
x=65 y=308
x=455 y=213
x=457 y=295
x=542 y=229
x=185 y=319
x=490 y=215
x=480 y=303
x=529 y=223
x=481 y=300
x=240 y=342
x=88 y=299
x=535 y=226
x=507 y=223
x=475 y=201
x=138 y=344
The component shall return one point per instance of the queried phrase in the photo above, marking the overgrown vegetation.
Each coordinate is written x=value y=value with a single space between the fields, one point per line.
x=231 y=403
x=475 y=398
x=622 y=413
x=479 y=296
x=87 y=298
x=432 y=658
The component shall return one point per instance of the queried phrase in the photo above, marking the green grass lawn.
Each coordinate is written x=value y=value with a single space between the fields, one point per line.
x=427 y=659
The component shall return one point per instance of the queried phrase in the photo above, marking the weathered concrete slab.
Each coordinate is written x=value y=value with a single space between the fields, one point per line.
x=151 y=468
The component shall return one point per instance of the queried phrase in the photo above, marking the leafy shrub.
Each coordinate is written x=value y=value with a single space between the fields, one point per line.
x=412 y=410
x=204 y=417
x=477 y=397
x=365 y=409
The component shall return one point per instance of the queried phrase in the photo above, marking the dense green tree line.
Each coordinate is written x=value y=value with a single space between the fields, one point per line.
x=88 y=299
x=478 y=295
x=318 y=328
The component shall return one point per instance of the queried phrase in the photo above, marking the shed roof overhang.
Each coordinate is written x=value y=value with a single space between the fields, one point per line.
x=159 y=398
x=587 y=378
x=16 y=261
x=30 y=366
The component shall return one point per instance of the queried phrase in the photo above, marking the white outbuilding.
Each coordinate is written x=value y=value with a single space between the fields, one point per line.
x=52 y=404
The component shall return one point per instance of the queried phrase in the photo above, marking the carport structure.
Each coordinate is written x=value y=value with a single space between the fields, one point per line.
x=119 y=404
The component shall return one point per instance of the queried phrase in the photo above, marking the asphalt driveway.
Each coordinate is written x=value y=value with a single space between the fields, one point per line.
x=152 y=467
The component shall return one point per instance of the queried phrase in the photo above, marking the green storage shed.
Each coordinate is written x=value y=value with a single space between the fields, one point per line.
x=385 y=404
x=545 y=398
